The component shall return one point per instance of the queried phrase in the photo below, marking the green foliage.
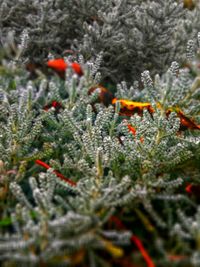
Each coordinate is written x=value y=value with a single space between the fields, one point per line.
x=133 y=35
x=97 y=168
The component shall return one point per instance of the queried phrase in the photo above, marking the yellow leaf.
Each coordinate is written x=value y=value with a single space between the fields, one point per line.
x=115 y=251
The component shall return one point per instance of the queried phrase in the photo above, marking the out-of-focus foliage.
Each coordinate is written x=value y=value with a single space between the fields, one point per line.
x=133 y=35
x=90 y=181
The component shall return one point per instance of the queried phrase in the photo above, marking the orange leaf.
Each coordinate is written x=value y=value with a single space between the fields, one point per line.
x=128 y=107
x=59 y=66
x=187 y=123
x=77 y=68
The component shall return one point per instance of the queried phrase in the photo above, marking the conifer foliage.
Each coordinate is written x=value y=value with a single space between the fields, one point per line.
x=92 y=175
x=133 y=35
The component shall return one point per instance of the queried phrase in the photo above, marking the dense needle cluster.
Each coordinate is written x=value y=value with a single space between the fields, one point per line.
x=97 y=173
x=132 y=35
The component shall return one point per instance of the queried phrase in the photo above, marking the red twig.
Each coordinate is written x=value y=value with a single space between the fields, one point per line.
x=143 y=251
x=61 y=176
x=135 y=240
